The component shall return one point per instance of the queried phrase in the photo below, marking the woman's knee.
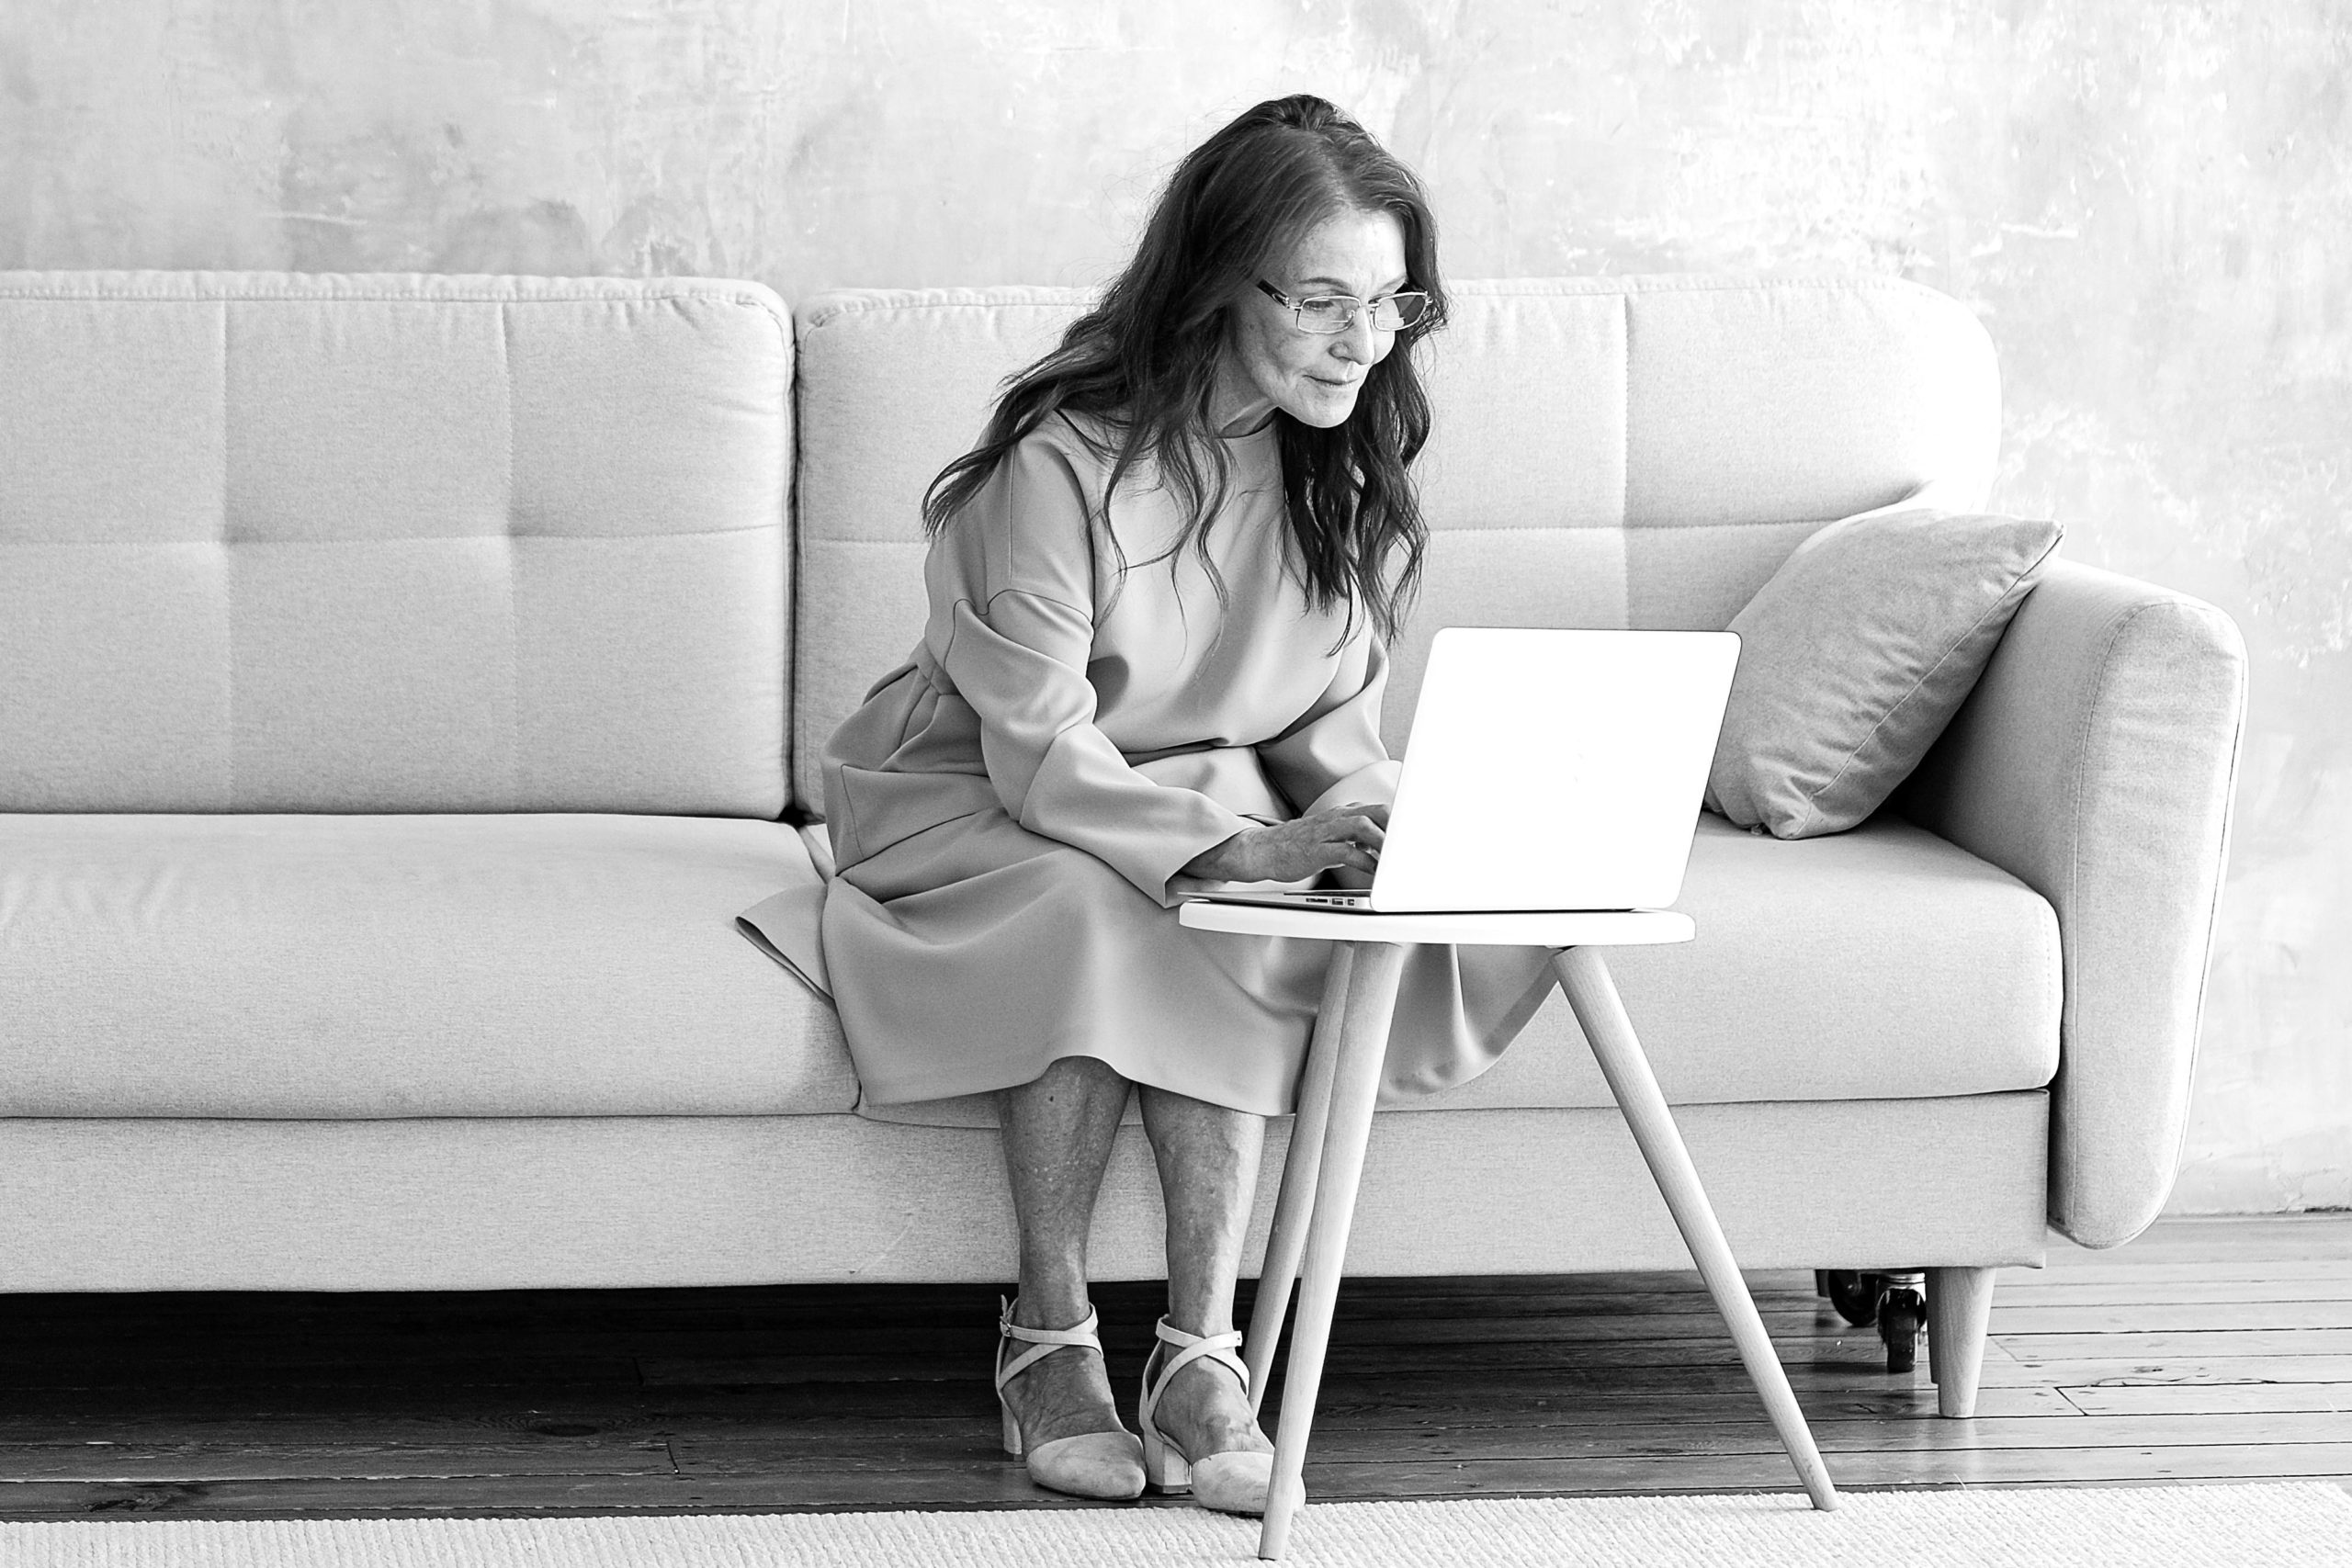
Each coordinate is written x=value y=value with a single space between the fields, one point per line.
x=1070 y=1084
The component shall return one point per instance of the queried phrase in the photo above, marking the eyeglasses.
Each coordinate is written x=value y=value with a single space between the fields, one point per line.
x=1328 y=315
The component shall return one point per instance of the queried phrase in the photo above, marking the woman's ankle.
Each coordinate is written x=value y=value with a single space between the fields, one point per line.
x=1204 y=1323
x=1051 y=1303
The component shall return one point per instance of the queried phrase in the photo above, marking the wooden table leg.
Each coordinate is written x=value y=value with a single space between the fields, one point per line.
x=1286 y=1242
x=1375 y=969
x=1598 y=1010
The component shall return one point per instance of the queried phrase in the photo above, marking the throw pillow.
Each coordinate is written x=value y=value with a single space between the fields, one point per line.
x=1856 y=655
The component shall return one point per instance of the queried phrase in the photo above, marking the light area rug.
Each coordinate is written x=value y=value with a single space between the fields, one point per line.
x=2295 y=1526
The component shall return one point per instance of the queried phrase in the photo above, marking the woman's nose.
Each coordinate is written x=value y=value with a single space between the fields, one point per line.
x=1358 y=345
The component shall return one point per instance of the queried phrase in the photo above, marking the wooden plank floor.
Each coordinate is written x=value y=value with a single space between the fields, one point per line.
x=2209 y=1349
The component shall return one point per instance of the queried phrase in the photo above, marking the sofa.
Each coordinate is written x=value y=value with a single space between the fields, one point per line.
x=405 y=680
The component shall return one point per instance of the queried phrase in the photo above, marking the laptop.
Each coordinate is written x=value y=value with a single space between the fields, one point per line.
x=1546 y=771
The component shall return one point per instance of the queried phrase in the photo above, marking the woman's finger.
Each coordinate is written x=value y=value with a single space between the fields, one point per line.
x=1354 y=837
x=1345 y=853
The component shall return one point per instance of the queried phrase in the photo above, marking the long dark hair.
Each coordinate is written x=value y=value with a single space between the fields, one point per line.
x=1142 y=363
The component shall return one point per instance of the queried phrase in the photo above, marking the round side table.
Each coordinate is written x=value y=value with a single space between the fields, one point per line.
x=1336 y=1100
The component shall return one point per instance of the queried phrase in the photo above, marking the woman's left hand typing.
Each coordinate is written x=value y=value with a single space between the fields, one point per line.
x=1346 y=836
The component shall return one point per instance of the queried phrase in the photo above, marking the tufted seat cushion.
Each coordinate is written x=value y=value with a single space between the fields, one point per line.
x=264 y=965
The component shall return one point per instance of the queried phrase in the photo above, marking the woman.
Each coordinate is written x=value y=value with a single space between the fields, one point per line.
x=1159 y=591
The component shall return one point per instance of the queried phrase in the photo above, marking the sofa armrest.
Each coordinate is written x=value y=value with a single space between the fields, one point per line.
x=2096 y=761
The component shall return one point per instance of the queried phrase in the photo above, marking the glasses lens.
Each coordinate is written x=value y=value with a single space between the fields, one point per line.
x=1327 y=313
x=1399 y=311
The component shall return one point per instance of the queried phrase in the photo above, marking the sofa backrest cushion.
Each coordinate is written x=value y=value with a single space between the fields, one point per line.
x=275 y=542
x=1608 y=452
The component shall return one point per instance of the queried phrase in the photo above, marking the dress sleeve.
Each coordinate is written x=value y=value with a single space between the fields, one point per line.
x=1011 y=589
x=1333 y=755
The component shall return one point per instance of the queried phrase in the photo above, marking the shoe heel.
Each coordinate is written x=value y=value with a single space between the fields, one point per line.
x=1164 y=1469
x=1012 y=1430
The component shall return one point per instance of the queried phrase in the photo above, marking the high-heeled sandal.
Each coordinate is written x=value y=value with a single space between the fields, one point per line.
x=1091 y=1464
x=1234 y=1482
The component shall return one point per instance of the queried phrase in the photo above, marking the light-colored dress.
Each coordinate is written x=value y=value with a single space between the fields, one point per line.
x=1011 y=809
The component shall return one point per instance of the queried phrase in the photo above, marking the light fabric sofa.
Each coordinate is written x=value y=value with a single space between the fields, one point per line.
x=405 y=680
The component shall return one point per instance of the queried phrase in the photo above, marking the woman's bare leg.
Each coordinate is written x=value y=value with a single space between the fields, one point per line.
x=1208 y=1175
x=1057 y=1134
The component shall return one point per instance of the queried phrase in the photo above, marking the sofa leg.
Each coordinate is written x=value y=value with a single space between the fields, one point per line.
x=1960 y=1311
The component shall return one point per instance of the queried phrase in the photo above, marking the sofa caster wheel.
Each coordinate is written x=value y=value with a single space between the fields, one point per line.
x=1902 y=1313
x=1853 y=1293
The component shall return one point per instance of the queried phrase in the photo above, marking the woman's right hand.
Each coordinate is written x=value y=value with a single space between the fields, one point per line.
x=1346 y=836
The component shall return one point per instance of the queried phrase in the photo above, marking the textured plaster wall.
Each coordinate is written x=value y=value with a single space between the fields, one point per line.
x=2149 y=202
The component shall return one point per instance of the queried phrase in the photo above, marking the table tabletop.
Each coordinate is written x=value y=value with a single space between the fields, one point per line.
x=1557 y=927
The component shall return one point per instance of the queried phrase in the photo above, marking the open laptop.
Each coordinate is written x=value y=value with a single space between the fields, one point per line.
x=1546 y=770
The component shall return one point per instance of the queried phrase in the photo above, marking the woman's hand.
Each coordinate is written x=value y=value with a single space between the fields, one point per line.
x=1347 y=836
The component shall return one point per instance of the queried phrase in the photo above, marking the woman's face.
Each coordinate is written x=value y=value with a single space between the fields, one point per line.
x=1272 y=363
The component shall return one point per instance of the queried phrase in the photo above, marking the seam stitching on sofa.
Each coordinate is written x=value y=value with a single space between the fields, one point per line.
x=1438 y=533
x=1691 y=527
x=437 y=539
x=838 y=309
x=765 y=306
x=120 y=297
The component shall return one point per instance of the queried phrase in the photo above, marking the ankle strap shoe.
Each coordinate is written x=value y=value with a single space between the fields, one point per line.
x=1234 y=1482
x=1091 y=1464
